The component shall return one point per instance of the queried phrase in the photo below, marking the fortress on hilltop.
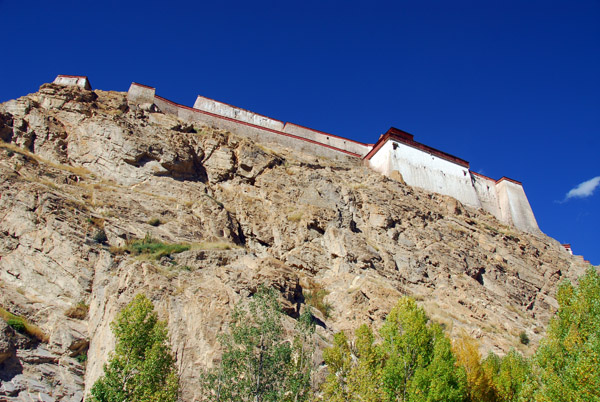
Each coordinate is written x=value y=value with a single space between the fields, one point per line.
x=419 y=165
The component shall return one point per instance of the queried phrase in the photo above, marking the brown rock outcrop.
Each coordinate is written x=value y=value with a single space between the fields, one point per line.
x=77 y=161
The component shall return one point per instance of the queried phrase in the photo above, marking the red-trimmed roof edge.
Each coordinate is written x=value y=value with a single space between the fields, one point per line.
x=483 y=176
x=285 y=123
x=257 y=126
x=142 y=85
x=407 y=139
x=331 y=135
x=509 y=179
x=72 y=76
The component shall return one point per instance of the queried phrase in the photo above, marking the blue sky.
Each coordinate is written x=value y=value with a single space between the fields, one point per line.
x=513 y=86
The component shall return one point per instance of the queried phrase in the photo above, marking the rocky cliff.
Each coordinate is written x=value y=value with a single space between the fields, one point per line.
x=75 y=163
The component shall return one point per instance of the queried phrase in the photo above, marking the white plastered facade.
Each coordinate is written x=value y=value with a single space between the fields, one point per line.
x=432 y=171
x=515 y=207
x=426 y=171
x=505 y=199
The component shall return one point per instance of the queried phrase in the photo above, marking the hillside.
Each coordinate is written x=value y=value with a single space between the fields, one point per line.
x=75 y=162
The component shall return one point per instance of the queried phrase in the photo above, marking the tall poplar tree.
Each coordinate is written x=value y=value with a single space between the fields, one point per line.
x=259 y=364
x=142 y=368
x=569 y=355
x=412 y=362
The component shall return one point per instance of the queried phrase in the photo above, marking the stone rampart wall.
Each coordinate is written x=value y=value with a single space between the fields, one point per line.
x=250 y=130
x=236 y=113
x=329 y=139
x=485 y=187
x=421 y=166
x=514 y=205
x=426 y=171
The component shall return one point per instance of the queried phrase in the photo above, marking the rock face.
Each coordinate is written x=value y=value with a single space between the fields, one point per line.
x=75 y=162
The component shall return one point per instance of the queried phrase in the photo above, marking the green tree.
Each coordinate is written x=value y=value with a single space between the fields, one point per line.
x=413 y=362
x=142 y=368
x=354 y=372
x=510 y=375
x=258 y=363
x=569 y=355
x=339 y=362
x=365 y=378
x=479 y=383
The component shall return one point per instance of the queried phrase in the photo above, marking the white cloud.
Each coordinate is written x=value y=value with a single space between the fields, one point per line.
x=584 y=189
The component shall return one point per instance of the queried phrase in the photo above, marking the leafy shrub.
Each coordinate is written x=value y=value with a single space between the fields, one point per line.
x=479 y=383
x=316 y=298
x=81 y=358
x=154 y=222
x=21 y=325
x=258 y=363
x=412 y=362
x=510 y=375
x=523 y=338
x=79 y=311
x=155 y=249
x=100 y=236
x=17 y=324
x=569 y=354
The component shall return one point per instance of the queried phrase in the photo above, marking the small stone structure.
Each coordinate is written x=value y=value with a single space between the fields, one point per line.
x=73 y=80
x=395 y=151
x=568 y=248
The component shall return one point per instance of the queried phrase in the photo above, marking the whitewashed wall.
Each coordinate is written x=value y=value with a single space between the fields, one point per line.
x=426 y=171
x=72 y=80
x=223 y=109
x=140 y=94
x=515 y=206
x=487 y=194
x=329 y=139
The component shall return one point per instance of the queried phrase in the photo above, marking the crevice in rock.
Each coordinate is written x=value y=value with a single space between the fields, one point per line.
x=141 y=159
x=479 y=276
x=315 y=226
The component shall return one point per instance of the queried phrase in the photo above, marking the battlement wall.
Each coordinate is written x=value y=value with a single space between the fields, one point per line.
x=485 y=187
x=426 y=171
x=437 y=171
x=142 y=94
x=329 y=139
x=236 y=113
x=420 y=165
x=233 y=112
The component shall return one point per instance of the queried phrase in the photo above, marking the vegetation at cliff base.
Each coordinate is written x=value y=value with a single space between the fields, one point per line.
x=565 y=367
x=412 y=362
x=258 y=362
x=569 y=356
x=142 y=368
x=409 y=359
